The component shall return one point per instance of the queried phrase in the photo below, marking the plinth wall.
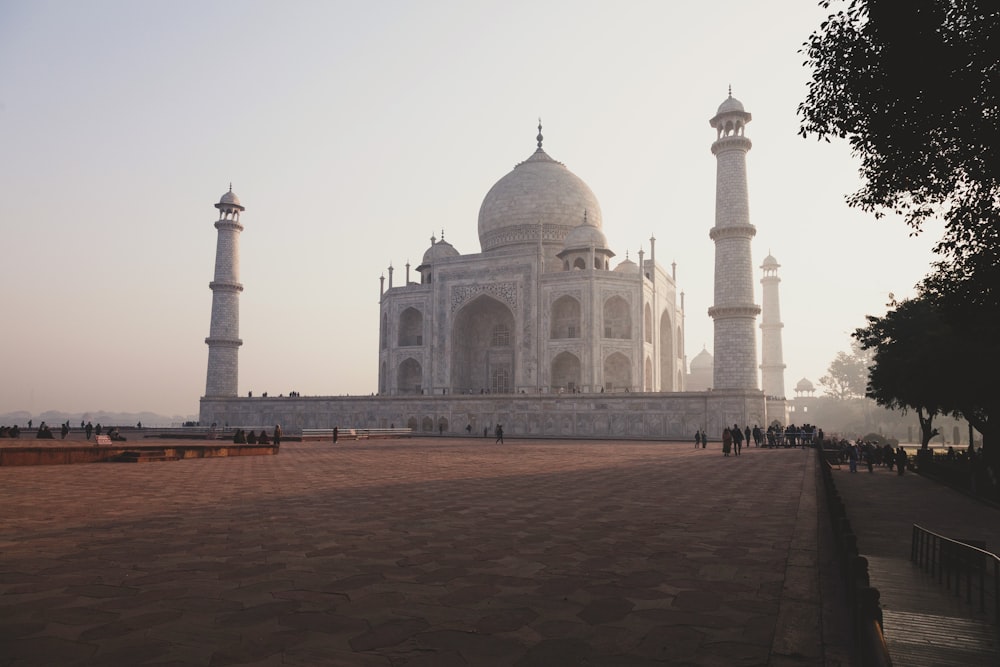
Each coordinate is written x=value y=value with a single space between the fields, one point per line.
x=638 y=415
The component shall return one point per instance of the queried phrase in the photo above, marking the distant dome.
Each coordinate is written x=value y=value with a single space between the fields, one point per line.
x=627 y=266
x=703 y=359
x=770 y=263
x=731 y=104
x=438 y=250
x=537 y=191
x=585 y=235
x=804 y=385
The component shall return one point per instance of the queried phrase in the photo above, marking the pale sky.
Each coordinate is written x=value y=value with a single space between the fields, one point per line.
x=352 y=132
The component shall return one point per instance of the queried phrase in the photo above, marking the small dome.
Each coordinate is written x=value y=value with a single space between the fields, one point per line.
x=770 y=262
x=731 y=104
x=627 y=266
x=229 y=200
x=804 y=385
x=703 y=359
x=438 y=250
x=585 y=235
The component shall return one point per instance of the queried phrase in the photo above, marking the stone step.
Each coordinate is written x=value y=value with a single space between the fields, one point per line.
x=144 y=456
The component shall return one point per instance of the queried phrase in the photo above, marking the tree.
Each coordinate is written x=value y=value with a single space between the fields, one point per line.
x=847 y=374
x=915 y=89
x=911 y=364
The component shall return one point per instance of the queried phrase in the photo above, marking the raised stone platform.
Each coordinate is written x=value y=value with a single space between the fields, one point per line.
x=32 y=452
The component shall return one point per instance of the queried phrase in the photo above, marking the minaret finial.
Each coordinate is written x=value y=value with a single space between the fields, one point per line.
x=539 y=137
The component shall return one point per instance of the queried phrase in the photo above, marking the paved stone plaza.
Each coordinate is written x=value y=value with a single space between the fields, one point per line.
x=416 y=552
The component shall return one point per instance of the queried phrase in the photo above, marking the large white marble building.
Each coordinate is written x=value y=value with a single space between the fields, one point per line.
x=544 y=306
x=544 y=330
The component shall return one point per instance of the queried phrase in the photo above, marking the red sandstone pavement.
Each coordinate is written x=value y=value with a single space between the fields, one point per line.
x=419 y=552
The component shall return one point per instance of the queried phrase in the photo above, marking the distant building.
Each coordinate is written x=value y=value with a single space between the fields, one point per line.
x=540 y=330
x=542 y=308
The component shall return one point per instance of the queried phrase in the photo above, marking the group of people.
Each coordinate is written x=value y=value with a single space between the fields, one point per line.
x=734 y=437
x=242 y=437
x=872 y=454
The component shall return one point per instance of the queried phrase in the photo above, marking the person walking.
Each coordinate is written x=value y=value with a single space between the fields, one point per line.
x=704 y=439
x=335 y=434
x=89 y=429
x=499 y=433
x=727 y=441
x=697 y=439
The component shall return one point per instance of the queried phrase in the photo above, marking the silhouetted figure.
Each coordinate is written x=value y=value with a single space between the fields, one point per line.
x=262 y=439
x=499 y=433
x=251 y=438
x=336 y=433
x=64 y=430
x=277 y=434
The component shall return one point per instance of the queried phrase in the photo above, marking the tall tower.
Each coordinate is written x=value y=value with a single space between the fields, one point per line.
x=224 y=335
x=772 y=367
x=734 y=312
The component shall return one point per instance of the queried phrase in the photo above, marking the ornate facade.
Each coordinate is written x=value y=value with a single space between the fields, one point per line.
x=539 y=309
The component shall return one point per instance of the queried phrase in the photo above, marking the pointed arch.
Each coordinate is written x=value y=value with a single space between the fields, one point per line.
x=383 y=334
x=565 y=372
x=409 y=377
x=617 y=372
x=411 y=328
x=617 y=318
x=647 y=323
x=667 y=354
x=648 y=380
x=484 y=341
x=565 y=318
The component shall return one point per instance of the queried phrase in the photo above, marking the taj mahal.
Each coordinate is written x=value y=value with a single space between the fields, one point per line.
x=545 y=330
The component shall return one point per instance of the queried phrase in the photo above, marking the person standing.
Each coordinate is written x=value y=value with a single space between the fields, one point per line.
x=704 y=438
x=727 y=441
x=697 y=439
x=336 y=433
x=901 y=461
x=89 y=429
x=64 y=430
x=277 y=434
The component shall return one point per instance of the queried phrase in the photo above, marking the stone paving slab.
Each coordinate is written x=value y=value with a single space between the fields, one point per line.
x=417 y=552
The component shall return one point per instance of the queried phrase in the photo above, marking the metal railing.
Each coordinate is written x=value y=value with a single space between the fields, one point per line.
x=961 y=567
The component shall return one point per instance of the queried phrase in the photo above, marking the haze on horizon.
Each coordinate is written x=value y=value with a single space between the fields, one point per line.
x=354 y=131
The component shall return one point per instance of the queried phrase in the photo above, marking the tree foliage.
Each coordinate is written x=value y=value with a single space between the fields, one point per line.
x=847 y=375
x=912 y=366
x=914 y=88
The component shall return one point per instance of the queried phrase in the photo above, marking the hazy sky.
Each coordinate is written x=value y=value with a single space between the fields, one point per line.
x=352 y=132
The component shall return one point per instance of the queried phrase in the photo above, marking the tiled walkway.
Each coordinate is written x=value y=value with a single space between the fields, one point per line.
x=924 y=625
x=416 y=552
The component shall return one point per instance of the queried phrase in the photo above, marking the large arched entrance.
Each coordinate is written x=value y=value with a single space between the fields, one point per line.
x=483 y=342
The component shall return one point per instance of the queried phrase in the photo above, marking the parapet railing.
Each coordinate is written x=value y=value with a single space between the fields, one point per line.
x=862 y=598
x=960 y=567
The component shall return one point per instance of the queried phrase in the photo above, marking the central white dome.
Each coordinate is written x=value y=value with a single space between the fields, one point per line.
x=538 y=191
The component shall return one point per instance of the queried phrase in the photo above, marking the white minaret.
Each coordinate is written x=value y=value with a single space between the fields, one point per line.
x=224 y=335
x=734 y=312
x=772 y=366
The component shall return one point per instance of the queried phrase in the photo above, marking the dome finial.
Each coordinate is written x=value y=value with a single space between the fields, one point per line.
x=442 y=233
x=730 y=90
x=230 y=186
x=539 y=137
